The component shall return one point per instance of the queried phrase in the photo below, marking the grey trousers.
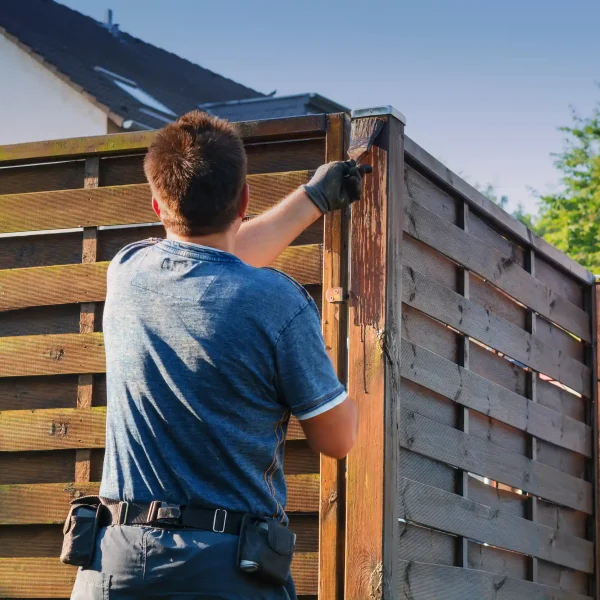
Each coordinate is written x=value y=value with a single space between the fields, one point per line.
x=135 y=562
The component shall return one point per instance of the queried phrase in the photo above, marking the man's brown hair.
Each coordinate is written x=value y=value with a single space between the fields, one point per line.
x=197 y=168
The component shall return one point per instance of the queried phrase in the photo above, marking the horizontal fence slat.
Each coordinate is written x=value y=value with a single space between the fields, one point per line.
x=48 y=503
x=497 y=268
x=86 y=282
x=433 y=166
x=473 y=391
x=127 y=143
x=463 y=451
x=422 y=581
x=470 y=318
x=119 y=205
x=67 y=428
x=42 y=577
x=59 y=354
x=47 y=286
x=429 y=506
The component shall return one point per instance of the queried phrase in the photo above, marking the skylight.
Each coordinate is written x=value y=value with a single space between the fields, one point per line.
x=143 y=97
x=131 y=87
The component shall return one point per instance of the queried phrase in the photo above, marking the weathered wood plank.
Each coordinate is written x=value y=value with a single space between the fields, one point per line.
x=119 y=205
x=47 y=503
x=492 y=265
x=463 y=451
x=468 y=317
x=52 y=579
x=374 y=346
x=432 y=166
x=52 y=429
x=86 y=282
x=126 y=143
x=334 y=324
x=52 y=354
x=422 y=581
x=469 y=389
x=60 y=429
x=435 y=508
x=46 y=286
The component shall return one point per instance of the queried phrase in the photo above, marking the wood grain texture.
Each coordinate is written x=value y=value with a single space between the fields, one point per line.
x=373 y=351
x=51 y=354
x=52 y=429
x=497 y=268
x=431 y=507
x=60 y=429
x=86 y=283
x=119 y=205
x=46 y=286
x=127 y=143
x=47 y=503
x=434 y=168
x=463 y=451
x=422 y=581
x=472 y=319
x=473 y=391
x=334 y=324
x=49 y=578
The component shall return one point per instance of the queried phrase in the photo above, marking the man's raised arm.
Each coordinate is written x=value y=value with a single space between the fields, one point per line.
x=334 y=185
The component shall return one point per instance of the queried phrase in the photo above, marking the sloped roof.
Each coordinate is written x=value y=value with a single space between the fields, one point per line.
x=86 y=53
x=272 y=107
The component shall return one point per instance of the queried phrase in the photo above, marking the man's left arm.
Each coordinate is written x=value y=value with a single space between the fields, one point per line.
x=334 y=185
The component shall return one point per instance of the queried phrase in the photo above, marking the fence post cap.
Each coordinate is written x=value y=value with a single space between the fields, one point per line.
x=379 y=111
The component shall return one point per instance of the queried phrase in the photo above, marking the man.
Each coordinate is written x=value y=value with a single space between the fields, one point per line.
x=207 y=356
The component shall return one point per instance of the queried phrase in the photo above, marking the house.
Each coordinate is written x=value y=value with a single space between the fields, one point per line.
x=68 y=75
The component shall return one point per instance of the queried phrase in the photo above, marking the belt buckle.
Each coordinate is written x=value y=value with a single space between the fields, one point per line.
x=222 y=530
x=165 y=512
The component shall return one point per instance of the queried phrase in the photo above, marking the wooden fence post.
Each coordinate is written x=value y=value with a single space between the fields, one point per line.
x=374 y=332
x=85 y=384
x=334 y=316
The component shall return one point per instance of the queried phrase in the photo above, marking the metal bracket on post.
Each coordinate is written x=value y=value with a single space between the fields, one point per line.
x=336 y=295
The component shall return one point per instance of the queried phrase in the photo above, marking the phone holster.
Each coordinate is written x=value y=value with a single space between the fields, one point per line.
x=268 y=546
x=80 y=530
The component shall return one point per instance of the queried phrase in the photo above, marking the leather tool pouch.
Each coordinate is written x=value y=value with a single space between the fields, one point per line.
x=80 y=530
x=266 y=549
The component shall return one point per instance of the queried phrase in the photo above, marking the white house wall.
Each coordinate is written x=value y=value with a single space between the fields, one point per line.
x=36 y=105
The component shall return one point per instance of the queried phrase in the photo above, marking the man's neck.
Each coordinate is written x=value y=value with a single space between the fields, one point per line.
x=221 y=241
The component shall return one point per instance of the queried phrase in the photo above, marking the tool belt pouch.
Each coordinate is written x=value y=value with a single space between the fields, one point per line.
x=80 y=530
x=266 y=549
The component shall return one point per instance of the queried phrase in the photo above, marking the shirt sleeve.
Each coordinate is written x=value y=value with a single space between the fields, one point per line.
x=306 y=380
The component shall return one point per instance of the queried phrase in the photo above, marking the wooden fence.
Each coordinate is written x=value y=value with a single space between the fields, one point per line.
x=468 y=343
x=478 y=390
x=92 y=195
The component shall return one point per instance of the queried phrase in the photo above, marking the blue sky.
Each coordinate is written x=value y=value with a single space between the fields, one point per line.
x=483 y=84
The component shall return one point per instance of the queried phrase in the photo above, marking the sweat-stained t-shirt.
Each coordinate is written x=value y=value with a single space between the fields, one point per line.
x=206 y=359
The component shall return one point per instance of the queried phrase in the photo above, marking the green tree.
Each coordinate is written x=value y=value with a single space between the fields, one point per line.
x=570 y=219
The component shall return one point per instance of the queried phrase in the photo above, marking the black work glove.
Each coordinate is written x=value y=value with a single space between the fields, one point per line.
x=336 y=185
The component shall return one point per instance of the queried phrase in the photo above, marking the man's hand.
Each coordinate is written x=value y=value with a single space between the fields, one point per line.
x=336 y=185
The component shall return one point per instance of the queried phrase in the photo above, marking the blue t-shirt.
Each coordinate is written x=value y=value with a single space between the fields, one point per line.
x=206 y=357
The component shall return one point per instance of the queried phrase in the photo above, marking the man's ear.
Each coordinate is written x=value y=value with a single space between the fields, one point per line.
x=245 y=198
x=156 y=207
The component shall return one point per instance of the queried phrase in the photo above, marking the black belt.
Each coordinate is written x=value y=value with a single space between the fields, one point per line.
x=163 y=514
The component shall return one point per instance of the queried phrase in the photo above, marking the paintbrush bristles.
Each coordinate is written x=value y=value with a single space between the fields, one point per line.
x=362 y=135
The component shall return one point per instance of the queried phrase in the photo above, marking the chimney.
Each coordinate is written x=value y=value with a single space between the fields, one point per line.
x=109 y=24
